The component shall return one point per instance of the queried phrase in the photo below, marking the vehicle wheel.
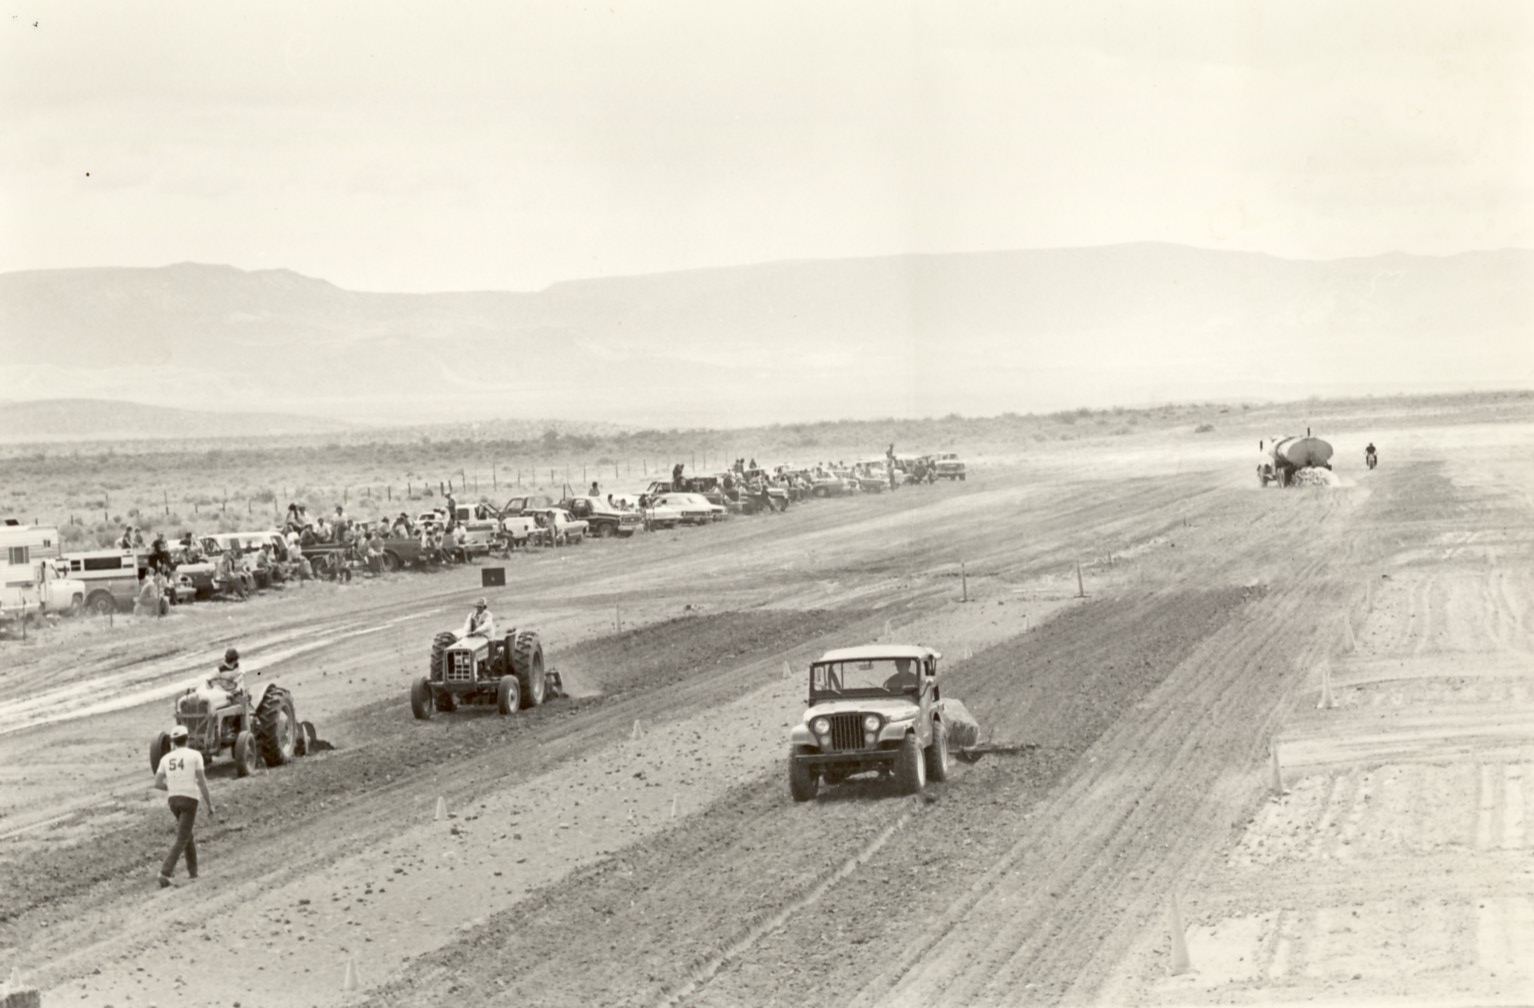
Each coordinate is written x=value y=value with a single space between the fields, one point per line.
x=439 y=645
x=421 y=703
x=937 y=753
x=910 y=767
x=101 y=603
x=961 y=479
x=391 y=562
x=276 y=725
x=820 y=492
x=158 y=747
x=527 y=663
x=508 y=695
x=802 y=781
x=245 y=754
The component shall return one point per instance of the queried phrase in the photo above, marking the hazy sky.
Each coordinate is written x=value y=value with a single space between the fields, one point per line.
x=394 y=146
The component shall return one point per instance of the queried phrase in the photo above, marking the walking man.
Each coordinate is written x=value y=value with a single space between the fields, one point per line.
x=180 y=775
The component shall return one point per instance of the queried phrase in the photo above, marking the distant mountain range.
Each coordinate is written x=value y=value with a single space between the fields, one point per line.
x=99 y=419
x=974 y=333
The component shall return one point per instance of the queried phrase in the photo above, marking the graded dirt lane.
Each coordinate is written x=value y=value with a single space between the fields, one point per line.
x=584 y=864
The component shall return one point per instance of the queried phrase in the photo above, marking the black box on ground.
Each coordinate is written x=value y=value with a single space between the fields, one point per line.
x=492 y=577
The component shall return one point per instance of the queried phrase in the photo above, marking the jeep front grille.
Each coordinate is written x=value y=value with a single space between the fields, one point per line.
x=846 y=732
x=460 y=667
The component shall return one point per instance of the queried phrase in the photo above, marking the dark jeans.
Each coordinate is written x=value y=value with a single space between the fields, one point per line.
x=185 y=811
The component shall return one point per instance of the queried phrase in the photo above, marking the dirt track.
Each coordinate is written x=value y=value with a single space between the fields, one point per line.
x=586 y=864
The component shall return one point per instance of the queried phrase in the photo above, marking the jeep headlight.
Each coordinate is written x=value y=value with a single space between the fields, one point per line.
x=820 y=726
x=870 y=722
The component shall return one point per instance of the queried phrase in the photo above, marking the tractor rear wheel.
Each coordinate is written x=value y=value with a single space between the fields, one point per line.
x=439 y=646
x=421 y=703
x=245 y=755
x=527 y=663
x=158 y=747
x=508 y=695
x=276 y=726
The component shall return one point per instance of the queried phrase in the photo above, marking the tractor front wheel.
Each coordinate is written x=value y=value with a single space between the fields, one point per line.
x=158 y=747
x=421 y=703
x=245 y=754
x=439 y=646
x=508 y=695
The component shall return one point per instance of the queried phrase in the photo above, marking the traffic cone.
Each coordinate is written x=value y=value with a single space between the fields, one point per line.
x=352 y=981
x=788 y=671
x=969 y=652
x=1180 y=963
x=1278 y=773
x=888 y=628
x=1348 y=640
x=638 y=732
x=1327 y=701
x=441 y=809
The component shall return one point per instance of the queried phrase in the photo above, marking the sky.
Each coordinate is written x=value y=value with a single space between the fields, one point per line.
x=509 y=145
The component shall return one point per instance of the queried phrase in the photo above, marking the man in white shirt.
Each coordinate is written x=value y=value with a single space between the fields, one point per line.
x=480 y=622
x=180 y=774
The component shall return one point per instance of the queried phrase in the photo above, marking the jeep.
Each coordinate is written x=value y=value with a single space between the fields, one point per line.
x=872 y=709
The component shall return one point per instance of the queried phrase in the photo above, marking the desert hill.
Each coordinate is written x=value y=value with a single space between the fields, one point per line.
x=894 y=336
x=101 y=419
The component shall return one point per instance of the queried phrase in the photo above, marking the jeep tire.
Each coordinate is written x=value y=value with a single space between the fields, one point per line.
x=527 y=664
x=421 y=703
x=937 y=753
x=910 y=767
x=802 y=780
x=508 y=695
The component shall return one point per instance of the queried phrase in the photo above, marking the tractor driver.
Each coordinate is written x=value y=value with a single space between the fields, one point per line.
x=480 y=622
x=229 y=677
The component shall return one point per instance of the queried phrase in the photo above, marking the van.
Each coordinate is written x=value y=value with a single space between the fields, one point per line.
x=111 y=577
x=29 y=583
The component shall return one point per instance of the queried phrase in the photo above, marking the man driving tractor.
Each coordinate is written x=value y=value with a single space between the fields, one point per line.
x=480 y=622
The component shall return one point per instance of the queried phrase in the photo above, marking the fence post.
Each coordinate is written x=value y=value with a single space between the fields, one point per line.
x=492 y=476
x=166 y=495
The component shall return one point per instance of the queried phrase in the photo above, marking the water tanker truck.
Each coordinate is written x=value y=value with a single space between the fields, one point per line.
x=1295 y=461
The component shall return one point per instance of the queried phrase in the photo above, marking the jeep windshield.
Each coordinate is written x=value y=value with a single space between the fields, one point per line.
x=874 y=675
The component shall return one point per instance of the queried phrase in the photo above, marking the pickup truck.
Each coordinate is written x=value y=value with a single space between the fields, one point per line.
x=36 y=587
x=478 y=521
x=602 y=519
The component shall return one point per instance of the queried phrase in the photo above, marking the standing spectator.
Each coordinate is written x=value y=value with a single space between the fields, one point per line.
x=180 y=775
x=595 y=491
x=676 y=478
x=452 y=511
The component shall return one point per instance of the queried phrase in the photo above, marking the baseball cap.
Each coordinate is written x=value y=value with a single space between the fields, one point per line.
x=480 y=603
x=178 y=732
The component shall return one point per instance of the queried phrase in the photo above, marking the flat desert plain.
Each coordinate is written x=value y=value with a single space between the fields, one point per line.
x=635 y=844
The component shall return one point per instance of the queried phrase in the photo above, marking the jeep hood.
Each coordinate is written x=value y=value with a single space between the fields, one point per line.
x=888 y=706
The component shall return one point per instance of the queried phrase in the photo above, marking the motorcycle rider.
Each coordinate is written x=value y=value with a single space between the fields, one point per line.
x=480 y=622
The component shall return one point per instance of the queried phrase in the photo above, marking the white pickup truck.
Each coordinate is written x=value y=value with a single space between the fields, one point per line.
x=29 y=584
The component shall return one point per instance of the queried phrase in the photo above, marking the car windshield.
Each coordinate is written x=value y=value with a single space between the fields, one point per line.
x=885 y=675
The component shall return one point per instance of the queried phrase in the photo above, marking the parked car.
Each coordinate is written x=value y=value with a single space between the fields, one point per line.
x=655 y=517
x=694 y=510
x=561 y=523
x=602 y=518
x=949 y=466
